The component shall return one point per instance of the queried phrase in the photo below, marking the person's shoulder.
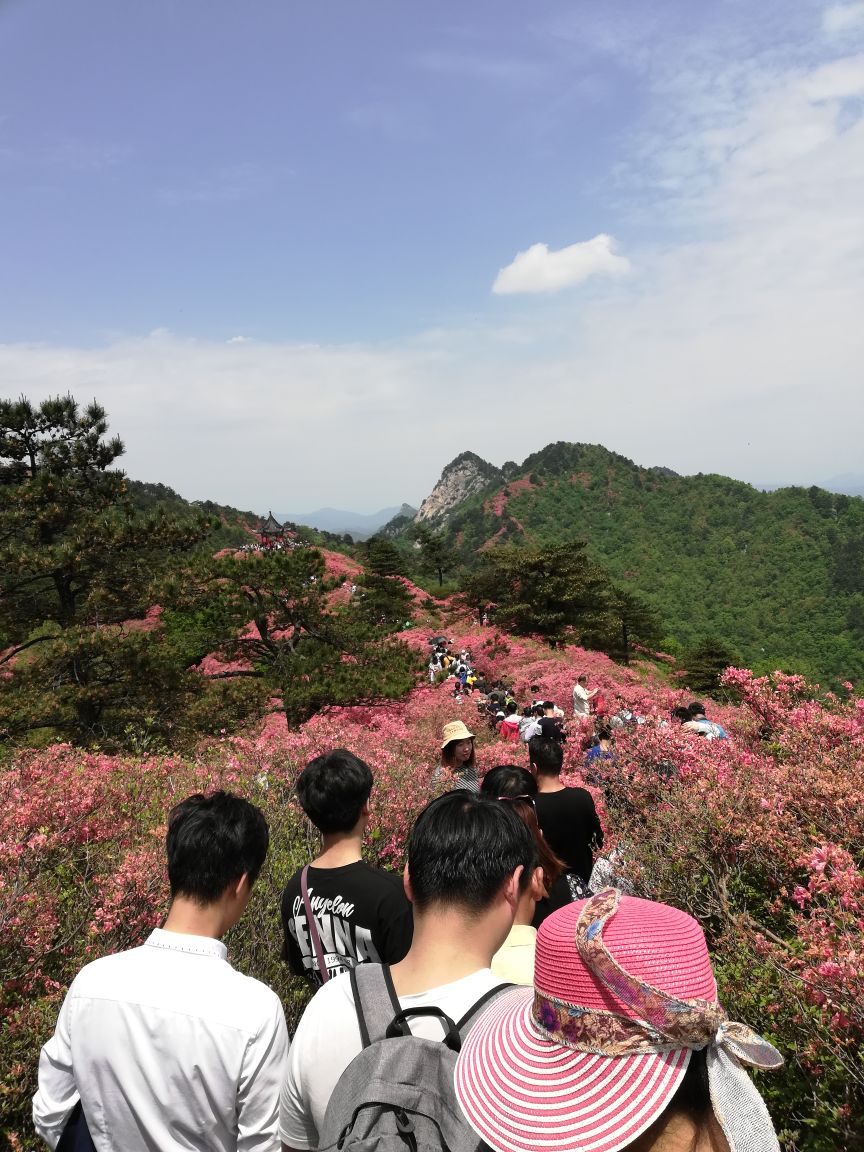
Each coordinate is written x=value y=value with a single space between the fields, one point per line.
x=577 y=795
x=330 y=998
x=257 y=996
x=389 y=883
x=93 y=976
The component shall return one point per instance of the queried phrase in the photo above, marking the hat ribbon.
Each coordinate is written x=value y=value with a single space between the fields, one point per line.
x=664 y=1023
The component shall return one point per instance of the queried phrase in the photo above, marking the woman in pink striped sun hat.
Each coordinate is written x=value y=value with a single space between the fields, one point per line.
x=621 y=1043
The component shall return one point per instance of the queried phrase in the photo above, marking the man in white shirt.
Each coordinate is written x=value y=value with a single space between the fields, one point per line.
x=166 y=1045
x=469 y=858
x=582 y=698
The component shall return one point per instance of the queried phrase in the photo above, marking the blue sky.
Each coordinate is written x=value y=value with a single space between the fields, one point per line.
x=281 y=241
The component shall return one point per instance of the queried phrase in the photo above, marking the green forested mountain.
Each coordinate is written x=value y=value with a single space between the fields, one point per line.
x=778 y=575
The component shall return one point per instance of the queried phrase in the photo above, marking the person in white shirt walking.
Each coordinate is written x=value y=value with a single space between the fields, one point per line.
x=469 y=860
x=166 y=1045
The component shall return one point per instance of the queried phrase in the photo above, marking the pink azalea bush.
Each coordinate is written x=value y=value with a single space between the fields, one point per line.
x=760 y=836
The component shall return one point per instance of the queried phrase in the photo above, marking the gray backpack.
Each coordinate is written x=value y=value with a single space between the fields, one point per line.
x=397 y=1095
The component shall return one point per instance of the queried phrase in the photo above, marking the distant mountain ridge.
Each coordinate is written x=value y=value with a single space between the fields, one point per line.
x=778 y=575
x=337 y=520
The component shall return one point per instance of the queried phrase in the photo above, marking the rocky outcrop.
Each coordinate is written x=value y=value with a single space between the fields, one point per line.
x=463 y=477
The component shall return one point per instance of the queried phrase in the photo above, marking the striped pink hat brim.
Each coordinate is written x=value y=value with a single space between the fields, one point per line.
x=523 y=1093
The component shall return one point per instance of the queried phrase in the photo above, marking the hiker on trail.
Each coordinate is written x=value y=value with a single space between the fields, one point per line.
x=582 y=698
x=567 y=816
x=701 y=725
x=469 y=859
x=529 y=723
x=622 y=716
x=597 y=754
x=355 y=912
x=572 y=1062
x=166 y=1046
x=551 y=726
x=516 y=786
x=508 y=727
x=457 y=754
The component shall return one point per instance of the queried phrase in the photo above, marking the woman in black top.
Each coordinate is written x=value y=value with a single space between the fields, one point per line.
x=567 y=816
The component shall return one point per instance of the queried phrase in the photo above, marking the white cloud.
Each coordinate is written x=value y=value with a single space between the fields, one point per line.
x=840 y=18
x=540 y=269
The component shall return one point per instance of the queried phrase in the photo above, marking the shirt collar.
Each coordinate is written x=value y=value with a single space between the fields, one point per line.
x=521 y=934
x=184 y=942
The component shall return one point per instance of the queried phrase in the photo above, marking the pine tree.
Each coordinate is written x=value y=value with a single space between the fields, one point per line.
x=705 y=663
x=554 y=592
x=270 y=617
x=436 y=555
x=76 y=565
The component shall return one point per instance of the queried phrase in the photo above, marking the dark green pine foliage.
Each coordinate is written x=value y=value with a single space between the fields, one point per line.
x=703 y=665
x=554 y=592
x=76 y=567
x=270 y=618
x=436 y=555
x=383 y=557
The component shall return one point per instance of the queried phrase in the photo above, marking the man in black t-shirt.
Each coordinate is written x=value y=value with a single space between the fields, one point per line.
x=551 y=726
x=567 y=816
x=360 y=913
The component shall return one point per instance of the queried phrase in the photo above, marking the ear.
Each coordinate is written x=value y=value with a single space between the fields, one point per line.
x=511 y=888
x=241 y=889
x=406 y=884
x=538 y=884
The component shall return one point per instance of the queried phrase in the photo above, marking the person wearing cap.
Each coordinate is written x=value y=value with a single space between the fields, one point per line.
x=457 y=754
x=621 y=1043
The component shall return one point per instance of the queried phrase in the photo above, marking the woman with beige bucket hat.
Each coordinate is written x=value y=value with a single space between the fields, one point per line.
x=457 y=754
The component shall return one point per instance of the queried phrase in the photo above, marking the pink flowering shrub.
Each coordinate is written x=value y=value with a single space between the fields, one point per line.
x=760 y=836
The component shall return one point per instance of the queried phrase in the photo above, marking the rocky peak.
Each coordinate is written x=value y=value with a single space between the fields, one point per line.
x=462 y=477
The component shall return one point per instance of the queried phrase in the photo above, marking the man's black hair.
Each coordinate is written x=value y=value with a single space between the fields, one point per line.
x=212 y=841
x=546 y=755
x=681 y=713
x=696 y=709
x=333 y=788
x=463 y=847
x=509 y=780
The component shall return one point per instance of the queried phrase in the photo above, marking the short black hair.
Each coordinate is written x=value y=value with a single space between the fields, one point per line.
x=212 y=841
x=696 y=709
x=509 y=780
x=546 y=755
x=462 y=848
x=681 y=713
x=333 y=788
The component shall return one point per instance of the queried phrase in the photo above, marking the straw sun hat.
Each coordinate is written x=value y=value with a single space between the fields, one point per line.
x=590 y=1058
x=455 y=730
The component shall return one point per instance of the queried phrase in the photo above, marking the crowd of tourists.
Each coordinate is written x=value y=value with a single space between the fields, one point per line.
x=506 y=992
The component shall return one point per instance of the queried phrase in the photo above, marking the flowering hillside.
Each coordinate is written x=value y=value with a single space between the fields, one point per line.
x=760 y=836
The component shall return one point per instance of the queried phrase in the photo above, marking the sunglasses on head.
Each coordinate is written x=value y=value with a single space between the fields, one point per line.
x=513 y=799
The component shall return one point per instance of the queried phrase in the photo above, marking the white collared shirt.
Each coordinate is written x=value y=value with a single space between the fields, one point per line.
x=168 y=1047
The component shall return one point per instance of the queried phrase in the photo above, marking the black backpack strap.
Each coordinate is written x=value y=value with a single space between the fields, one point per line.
x=476 y=1008
x=375 y=1000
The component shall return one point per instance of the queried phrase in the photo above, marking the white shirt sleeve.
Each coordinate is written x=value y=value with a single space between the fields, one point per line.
x=326 y=1041
x=56 y=1095
x=261 y=1077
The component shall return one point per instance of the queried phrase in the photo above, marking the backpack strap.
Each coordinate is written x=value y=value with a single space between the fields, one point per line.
x=375 y=1000
x=476 y=1008
x=312 y=927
